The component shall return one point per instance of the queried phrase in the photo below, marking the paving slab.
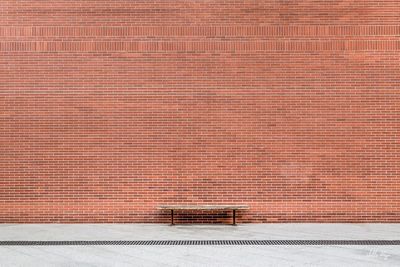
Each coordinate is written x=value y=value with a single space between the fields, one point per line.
x=205 y=255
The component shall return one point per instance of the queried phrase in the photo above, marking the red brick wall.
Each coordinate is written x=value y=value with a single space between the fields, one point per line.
x=110 y=108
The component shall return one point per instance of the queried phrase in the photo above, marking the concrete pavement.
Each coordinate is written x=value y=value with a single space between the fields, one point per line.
x=198 y=255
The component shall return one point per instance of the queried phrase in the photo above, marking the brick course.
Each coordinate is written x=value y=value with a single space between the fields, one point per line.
x=111 y=108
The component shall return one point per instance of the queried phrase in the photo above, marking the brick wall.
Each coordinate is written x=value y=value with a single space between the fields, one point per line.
x=110 y=108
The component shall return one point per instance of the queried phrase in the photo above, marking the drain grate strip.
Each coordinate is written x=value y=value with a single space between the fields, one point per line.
x=204 y=243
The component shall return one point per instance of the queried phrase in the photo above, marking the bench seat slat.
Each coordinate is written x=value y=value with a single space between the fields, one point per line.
x=203 y=207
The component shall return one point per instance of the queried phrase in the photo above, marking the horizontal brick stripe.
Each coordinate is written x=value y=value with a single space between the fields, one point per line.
x=208 y=31
x=368 y=45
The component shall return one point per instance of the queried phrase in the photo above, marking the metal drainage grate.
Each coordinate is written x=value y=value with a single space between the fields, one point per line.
x=204 y=243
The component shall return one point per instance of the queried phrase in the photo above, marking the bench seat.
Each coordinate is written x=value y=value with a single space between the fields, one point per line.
x=234 y=208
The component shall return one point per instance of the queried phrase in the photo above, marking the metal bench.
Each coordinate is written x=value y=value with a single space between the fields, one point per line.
x=234 y=208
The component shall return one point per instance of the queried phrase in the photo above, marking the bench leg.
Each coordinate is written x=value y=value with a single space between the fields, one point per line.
x=172 y=217
x=234 y=217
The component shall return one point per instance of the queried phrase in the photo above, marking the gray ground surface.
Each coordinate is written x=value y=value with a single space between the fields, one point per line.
x=198 y=255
